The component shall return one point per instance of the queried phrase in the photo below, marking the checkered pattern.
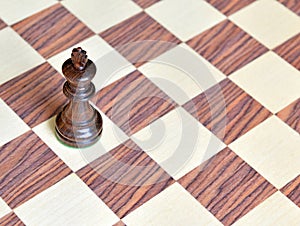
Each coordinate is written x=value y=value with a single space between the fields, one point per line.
x=250 y=112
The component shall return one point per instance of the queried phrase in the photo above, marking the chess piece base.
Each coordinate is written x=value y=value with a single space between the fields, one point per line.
x=79 y=135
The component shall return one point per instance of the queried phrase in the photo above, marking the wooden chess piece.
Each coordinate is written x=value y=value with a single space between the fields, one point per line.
x=79 y=124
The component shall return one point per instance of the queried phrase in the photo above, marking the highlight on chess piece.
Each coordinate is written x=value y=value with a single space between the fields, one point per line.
x=79 y=124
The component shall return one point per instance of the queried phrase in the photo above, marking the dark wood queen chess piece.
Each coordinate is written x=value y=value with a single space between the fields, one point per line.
x=79 y=124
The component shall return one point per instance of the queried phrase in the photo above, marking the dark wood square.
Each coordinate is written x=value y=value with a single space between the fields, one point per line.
x=227 y=186
x=229 y=7
x=227 y=111
x=293 y=5
x=27 y=168
x=146 y=3
x=227 y=47
x=292 y=190
x=52 y=30
x=133 y=102
x=291 y=115
x=35 y=95
x=11 y=219
x=120 y=223
x=290 y=51
x=2 y=24
x=125 y=178
x=140 y=38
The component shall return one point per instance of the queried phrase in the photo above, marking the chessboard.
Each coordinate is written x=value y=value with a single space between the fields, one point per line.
x=200 y=103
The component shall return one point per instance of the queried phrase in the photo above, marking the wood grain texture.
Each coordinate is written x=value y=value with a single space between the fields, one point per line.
x=36 y=95
x=125 y=178
x=227 y=111
x=52 y=30
x=293 y=5
x=290 y=51
x=229 y=7
x=2 y=24
x=133 y=102
x=227 y=47
x=11 y=219
x=146 y=3
x=292 y=190
x=227 y=186
x=140 y=29
x=291 y=115
x=28 y=167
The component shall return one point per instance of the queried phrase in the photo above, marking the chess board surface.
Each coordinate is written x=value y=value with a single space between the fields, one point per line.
x=201 y=108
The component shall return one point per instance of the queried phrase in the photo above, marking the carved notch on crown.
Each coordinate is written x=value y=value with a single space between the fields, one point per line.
x=79 y=58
